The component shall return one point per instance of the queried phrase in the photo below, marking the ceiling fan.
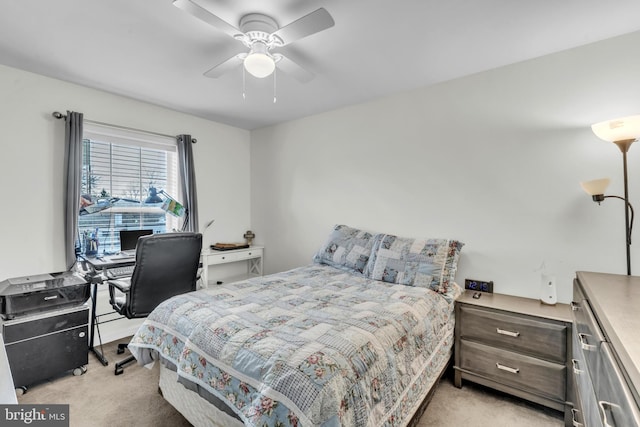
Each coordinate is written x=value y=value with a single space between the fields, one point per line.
x=261 y=34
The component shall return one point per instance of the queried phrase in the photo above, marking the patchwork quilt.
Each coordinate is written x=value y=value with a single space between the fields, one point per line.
x=313 y=346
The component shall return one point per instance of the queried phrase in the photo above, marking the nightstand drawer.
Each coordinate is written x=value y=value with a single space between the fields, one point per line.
x=515 y=370
x=545 y=339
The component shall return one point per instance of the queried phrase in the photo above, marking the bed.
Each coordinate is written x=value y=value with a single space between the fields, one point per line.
x=357 y=338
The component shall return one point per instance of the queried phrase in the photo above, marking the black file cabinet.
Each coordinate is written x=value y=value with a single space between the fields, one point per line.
x=47 y=344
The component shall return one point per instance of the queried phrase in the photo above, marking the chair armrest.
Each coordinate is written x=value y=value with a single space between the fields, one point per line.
x=123 y=285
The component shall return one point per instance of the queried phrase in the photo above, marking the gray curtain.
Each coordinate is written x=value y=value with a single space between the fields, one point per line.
x=73 y=169
x=188 y=174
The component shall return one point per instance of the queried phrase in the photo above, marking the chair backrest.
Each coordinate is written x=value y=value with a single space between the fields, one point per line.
x=166 y=265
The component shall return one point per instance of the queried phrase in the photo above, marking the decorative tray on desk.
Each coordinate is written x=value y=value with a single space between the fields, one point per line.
x=228 y=246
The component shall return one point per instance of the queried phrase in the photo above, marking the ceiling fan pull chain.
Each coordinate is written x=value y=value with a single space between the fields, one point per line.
x=274 y=85
x=244 y=94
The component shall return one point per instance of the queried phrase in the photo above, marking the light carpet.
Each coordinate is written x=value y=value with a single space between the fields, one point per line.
x=99 y=398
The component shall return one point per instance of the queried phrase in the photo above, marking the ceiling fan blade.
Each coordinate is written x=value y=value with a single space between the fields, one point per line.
x=294 y=70
x=224 y=67
x=312 y=23
x=206 y=16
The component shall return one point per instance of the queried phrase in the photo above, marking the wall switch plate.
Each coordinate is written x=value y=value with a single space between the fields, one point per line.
x=478 y=285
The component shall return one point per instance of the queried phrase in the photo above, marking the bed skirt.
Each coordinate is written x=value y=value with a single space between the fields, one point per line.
x=201 y=413
x=197 y=410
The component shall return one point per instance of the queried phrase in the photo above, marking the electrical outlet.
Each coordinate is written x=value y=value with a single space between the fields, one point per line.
x=478 y=285
x=548 y=289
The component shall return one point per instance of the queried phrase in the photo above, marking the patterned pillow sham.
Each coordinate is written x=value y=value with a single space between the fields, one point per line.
x=347 y=248
x=427 y=263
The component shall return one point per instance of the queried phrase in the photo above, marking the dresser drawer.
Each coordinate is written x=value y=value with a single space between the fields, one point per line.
x=515 y=370
x=577 y=414
x=615 y=402
x=588 y=336
x=585 y=398
x=545 y=339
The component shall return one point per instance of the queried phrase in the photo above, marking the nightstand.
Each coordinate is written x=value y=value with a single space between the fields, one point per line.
x=516 y=345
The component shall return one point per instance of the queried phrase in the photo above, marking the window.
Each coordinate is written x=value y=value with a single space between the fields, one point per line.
x=126 y=178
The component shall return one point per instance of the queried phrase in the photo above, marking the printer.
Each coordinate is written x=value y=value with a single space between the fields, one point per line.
x=44 y=292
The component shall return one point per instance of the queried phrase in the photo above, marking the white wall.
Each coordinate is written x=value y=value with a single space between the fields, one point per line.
x=32 y=159
x=493 y=160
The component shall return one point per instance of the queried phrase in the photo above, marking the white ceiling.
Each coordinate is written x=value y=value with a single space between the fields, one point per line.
x=152 y=51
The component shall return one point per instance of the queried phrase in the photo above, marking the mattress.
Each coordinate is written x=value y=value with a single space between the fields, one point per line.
x=312 y=346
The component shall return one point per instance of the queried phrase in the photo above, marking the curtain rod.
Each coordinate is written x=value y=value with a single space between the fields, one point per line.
x=59 y=115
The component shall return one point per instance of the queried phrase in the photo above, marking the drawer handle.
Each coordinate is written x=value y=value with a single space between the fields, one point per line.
x=575 y=422
x=603 y=411
x=507 y=368
x=576 y=367
x=508 y=333
x=575 y=306
x=582 y=338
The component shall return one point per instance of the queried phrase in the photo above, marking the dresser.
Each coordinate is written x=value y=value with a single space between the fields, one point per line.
x=516 y=345
x=606 y=349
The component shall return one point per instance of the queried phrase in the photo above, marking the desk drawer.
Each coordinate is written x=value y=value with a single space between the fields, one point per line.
x=249 y=254
x=515 y=370
x=46 y=323
x=222 y=258
x=545 y=339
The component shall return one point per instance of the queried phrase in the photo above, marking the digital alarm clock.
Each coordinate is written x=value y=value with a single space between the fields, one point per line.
x=478 y=285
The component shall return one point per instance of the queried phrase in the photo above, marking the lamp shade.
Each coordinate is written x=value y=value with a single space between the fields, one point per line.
x=259 y=63
x=622 y=129
x=595 y=187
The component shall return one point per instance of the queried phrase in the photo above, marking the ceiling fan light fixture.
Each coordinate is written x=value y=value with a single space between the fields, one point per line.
x=259 y=63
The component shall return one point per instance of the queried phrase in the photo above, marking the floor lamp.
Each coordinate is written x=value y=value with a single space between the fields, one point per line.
x=623 y=132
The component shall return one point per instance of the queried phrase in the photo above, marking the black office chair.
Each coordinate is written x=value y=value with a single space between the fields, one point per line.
x=166 y=265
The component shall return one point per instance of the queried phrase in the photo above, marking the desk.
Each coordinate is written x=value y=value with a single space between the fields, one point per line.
x=99 y=264
x=251 y=255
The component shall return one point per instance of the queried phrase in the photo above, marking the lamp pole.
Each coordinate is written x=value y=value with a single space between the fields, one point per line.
x=622 y=132
x=624 y=145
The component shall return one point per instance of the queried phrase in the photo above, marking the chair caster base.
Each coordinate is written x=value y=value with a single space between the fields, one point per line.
x=120 y=365
x=80 y=370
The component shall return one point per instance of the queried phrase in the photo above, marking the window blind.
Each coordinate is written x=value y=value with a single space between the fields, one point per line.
x=129 y=172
